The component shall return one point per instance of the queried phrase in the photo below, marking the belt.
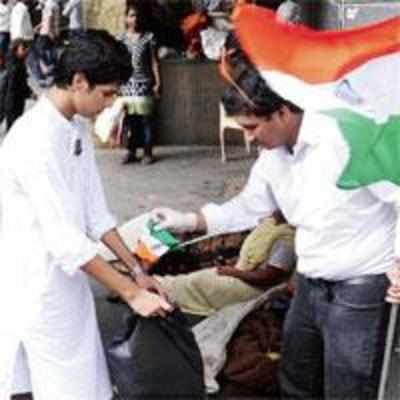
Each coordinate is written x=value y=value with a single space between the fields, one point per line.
x=360 y=280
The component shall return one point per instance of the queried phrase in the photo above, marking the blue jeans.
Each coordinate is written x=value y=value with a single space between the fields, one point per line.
x=334 y=338
x=4 y=43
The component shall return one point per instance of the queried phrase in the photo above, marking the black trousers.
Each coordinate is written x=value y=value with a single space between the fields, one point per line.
x=140 y=131
x=12 y=113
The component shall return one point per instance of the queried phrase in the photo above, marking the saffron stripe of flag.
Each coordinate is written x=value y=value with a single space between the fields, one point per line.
x=312 y=56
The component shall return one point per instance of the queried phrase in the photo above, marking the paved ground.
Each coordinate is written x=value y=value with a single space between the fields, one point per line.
x=183 y=178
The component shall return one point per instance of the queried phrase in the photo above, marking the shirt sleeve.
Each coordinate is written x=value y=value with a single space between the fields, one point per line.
x=397 y=229
x=385 y=191
x=282 y=256
x=389 y=193
x=39 y=178
x=244 y=211
x=98 y=218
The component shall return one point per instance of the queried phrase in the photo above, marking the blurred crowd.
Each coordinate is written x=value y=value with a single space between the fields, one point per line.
x=31 y=34
x=34 y=32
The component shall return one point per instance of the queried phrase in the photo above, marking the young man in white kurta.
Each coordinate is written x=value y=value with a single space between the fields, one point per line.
x=53 y=203
x=53 y=211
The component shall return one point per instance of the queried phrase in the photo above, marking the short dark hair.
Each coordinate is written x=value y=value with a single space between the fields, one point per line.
x=97 y=55
x=15 y=43
x=264 y=101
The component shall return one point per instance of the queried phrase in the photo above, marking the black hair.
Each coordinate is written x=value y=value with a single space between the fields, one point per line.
x=15 y=43
x=97 y=55
x=140 y=15
x=263 y=100
x=237 y=59
x=231 y=41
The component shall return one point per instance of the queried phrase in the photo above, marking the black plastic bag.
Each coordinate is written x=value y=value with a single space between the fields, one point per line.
x=156 y=358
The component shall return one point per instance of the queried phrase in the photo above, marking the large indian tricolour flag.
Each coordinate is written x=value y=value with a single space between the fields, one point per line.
x=351 y=75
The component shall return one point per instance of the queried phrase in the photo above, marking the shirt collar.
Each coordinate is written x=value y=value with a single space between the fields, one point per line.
x=57 y=116
x=71 y=132
x=309 y=135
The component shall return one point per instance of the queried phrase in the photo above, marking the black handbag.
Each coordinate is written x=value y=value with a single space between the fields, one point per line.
x=156 y=358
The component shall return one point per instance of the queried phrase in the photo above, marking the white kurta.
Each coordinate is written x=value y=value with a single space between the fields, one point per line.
x=52 y=210
x=340 y=234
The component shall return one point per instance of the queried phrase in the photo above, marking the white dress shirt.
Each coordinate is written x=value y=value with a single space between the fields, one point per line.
x=5 y=15
x=20 y=22
x=339 y=234
x=53 y=212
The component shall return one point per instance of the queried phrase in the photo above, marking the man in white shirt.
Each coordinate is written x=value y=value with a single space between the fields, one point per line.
x=73 y=11
x=335 y=330
x=20 y=22
x=51 y=15
x=53 y=211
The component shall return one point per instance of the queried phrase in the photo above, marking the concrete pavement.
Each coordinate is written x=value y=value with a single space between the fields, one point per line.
x=183 y=178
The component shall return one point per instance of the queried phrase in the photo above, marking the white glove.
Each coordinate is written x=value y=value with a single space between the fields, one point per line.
x=176 y=221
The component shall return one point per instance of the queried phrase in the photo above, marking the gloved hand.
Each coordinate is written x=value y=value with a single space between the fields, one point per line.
x=175 y=221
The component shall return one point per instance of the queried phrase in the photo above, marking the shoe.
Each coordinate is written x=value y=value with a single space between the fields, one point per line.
x=147 y=160
x=128 y=159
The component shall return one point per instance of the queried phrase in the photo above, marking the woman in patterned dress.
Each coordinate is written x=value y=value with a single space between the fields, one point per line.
x=142 y=87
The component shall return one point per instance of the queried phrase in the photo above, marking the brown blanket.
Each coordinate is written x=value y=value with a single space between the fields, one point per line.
x=253 y=353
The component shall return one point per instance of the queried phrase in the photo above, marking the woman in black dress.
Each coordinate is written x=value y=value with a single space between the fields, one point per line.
x=142 y=87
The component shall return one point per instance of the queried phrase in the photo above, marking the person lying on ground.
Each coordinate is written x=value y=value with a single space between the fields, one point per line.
x=266 y=259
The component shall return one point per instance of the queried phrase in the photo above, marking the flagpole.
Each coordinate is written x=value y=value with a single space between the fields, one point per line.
x=388 y=350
